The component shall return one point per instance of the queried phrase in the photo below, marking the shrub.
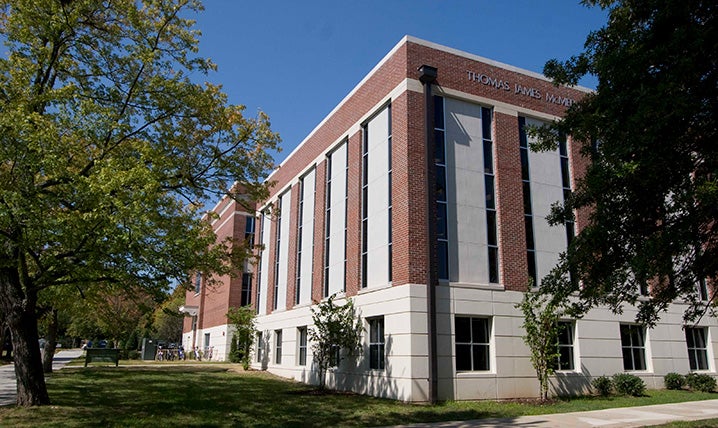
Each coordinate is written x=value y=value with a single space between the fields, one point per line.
x=234 y=355
x=628 y=384
x=603 y=385
x=133 y=354
x=674 y=381
x=701 y=382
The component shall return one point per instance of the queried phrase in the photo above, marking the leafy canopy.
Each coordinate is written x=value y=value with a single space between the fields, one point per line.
x=650 y=133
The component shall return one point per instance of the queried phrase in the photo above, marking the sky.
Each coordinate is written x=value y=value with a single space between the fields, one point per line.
x=296 y=60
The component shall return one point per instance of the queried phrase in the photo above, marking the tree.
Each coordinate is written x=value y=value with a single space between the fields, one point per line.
x=336 y=328
x=242 y=318
x=167 y=321
x=108 y=150
x=650 y=131
x=542 y=314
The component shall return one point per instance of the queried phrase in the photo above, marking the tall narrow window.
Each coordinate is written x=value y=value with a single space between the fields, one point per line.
x=246 y=298
x=376 y=343
x=633 y=347
x=346 y=216
x=565 y=360
x=389 y=199
x=365 y=206
x=302 y=346
x=277 y=254
x=249 y=229
x=528 y=212
x=566 y=184
x=697 y=348
x=703 y=289
x=490 y=193
x=442 y=230
x=277 y=346
x=327 y=226
x=472 y=338
x=376 y=200
x=335 y=215
x=260 y=346
x=300 y=226
x=263 y=265
x=197 y=282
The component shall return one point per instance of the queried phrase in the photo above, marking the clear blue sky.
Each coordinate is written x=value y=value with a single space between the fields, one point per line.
x=296 y=60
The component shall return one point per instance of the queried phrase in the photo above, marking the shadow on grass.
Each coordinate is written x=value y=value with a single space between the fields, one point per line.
x=210 y=396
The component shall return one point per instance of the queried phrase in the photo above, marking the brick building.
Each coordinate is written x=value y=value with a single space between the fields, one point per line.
x=351 y=214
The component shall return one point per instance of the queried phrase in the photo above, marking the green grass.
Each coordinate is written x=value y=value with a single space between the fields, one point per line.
x=222 y=395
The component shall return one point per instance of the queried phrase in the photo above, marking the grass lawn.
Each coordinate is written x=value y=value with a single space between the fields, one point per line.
x=224 y=395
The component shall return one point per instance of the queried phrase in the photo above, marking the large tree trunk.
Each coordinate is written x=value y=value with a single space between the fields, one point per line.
x=19 y=306
x=48 y=353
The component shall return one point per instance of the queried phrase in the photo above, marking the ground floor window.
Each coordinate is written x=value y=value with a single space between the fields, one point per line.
x=278 y=346
x=302 y=345
x=376 y=343
x=697 y=349
x=565 y=360
x=633 y=346
x=260 y=347
x=472 y=336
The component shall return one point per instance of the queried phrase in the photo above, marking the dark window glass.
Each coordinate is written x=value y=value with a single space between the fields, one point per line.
x=439 y=112
x=440 y=172
x=527 y=197
x=633 y=347
x=441 y=225
x=523 y=141
x=302 y=346
x=491 y=228
x=697 y=348
x=531 y=261
x=439 y=146
x=565 y=176
x=486 y=122
x=472 y=344
x=565 y=346
x=529 y=225
x=488 y=157
x=562 y=146
x=443 y=250
x=493 y=265
x=489 y=191
x=524 y=164
x=376 y=344
x=246 y=298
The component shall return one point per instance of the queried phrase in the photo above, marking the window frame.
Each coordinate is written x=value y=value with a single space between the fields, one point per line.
x=633 y=347
x=278 y=346
x=693 y=360
x=377 y=341
x=473 y=345
x=302 y=342
x=571 y=347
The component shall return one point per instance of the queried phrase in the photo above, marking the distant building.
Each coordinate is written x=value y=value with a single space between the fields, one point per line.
x=349 y=215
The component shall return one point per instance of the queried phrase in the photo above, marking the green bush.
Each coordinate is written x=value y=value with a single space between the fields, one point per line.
x=628 y=384
x=701 y=382
x=234 y=356
x=674 y=381
x=603 y=385
x=133 y=354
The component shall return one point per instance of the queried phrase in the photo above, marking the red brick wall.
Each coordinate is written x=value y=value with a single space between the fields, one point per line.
x=509 y=198
x=291 y=234
x=353 y=238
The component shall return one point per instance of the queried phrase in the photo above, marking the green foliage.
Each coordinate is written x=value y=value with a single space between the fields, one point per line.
x=108 y=151
x=649 y=131
x=541 y=314
x=336 y=328
x=674 y=381
x=243 y=320
x=234 y=354
x=628 y=384
x=701 y=382
x=603 y=385
x=167 y=321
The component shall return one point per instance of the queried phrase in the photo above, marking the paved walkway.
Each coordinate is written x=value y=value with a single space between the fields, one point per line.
x=8 y=384
x=609 y=418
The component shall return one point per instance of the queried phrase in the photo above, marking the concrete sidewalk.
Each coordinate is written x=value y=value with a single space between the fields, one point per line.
x=8 y=383
x=612 y=418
